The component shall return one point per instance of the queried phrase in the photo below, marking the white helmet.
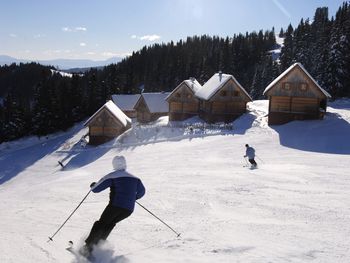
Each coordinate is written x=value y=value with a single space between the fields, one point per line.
x=119 y=163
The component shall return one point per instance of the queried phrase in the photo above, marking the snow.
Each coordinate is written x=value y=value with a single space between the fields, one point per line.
x=125 y=101
x=276 y=80
x=63 y=74
x=214 y=84
x=293 y=208
x=112 y=108
x=279 y=40
x=156 y=101
x=193 y=84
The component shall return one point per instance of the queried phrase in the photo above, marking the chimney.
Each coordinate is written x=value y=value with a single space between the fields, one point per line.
x=220 y=75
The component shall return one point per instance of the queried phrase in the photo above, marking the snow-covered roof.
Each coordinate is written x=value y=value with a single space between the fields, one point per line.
x=215 y=83
x=126 y=101
x=290 y=69
x=192 y=83
x=113 y=109
x=156 y=101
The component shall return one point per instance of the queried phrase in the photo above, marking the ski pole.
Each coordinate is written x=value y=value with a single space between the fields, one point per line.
x=51 y=238
x=246 y=161
x=178 y=234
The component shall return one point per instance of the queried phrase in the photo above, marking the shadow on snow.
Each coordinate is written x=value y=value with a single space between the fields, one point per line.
x=330 y=135
x=17 y=161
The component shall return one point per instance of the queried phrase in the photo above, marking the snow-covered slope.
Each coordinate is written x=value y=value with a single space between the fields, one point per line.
x=293 y=208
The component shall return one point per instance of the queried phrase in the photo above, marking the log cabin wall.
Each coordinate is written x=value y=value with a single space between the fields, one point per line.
x=104 y=127
x=142 y=112
x=227 y=104
x=130 y=113
x=183 y=104
x=295 y=97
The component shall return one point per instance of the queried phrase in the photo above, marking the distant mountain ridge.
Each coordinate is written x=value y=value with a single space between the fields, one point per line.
x=63 y=64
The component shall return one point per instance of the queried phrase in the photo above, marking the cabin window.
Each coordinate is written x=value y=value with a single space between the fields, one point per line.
x=287 y=86
x=235 y=93
x=303 y=87
x=223 y=93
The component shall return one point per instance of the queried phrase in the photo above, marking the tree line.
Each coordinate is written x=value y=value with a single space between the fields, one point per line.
x=323 y=47
x=37 y=100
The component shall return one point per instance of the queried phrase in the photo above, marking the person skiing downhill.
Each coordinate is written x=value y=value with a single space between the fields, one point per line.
x=250 y=153
x=125 y=189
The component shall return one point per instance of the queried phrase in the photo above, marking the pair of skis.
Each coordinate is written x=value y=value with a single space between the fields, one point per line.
x=79 y=253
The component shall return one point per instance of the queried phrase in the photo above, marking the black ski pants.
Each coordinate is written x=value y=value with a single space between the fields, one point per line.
x=252 y=161
x=104 y=226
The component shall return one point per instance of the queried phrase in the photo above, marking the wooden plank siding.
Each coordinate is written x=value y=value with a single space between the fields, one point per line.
x=104 y=127
x=227 y=104
x=143 y=113
x=295 y=96
x=182 y=104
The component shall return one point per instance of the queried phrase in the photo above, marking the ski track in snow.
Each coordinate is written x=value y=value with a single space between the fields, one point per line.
x=293 y=208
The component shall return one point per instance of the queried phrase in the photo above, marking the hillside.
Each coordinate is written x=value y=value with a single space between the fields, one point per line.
x=293 y=208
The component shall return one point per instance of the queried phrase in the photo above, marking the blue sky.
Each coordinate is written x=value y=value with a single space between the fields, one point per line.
x=100 y=29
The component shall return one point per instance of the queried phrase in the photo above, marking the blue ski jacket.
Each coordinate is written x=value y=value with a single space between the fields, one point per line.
x=250 y=152
x=125 y=189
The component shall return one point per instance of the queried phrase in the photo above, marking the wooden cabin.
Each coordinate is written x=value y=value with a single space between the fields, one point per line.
x=222 y=99
x=126 y=102
x=107 y=123
x=183 y=103
x=295 y=95
x=151 y=106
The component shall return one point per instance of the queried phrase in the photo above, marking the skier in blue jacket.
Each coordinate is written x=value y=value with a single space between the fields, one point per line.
x=250 y=153
x=125 y=189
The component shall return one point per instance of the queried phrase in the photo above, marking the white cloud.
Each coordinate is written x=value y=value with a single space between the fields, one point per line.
x=39 y=36
x=147 y=37
x=80 y=28
x=82 y=44
x=150 y=37
x=66 y=29
x=108 y=54
x=13 y=35
x=74 y=29
x=113 y=54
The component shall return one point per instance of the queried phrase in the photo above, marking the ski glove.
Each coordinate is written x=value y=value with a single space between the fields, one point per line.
x=92 y=184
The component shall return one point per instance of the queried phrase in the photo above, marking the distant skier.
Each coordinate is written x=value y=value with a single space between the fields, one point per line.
x=125 y=189
x=250 y=153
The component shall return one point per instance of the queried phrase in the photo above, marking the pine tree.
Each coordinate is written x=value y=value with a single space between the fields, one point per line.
x=302 y=41
x=320 y=45
x=288 y=50
x=14 y=124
